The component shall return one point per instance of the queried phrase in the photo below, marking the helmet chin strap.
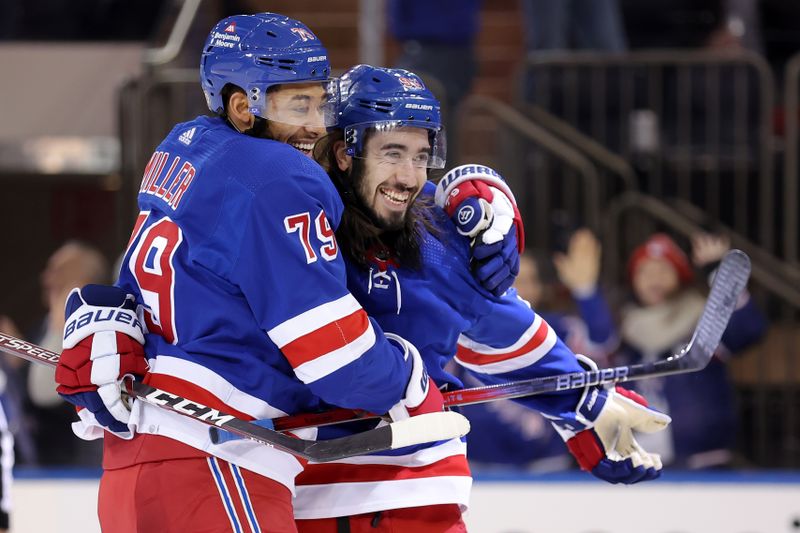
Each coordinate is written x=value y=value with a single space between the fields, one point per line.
x=258 y=129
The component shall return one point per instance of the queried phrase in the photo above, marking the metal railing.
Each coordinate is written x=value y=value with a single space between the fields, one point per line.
x=158 y=57
x=571 y=180
x=791 y=189
x=695 y=125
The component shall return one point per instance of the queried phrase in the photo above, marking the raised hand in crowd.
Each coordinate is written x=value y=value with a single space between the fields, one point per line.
x=579 y=268
x=708 y=248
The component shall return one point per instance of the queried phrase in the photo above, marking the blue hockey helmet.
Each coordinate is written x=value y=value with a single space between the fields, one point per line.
x=258 y=52
x=382 y=99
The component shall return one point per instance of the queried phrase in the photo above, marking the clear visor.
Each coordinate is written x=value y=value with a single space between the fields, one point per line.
x=398 y=142
x=309 y=104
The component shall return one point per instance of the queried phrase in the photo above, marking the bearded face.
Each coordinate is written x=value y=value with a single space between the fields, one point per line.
x=392 y=174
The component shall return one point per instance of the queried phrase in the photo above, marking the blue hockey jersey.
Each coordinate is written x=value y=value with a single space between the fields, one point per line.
x=247 y=308
x=445 y=313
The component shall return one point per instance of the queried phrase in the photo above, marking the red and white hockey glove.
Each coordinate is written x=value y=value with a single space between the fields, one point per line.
x=483 y=208
x=103 y=343
x=600 y=433
x=422 y=395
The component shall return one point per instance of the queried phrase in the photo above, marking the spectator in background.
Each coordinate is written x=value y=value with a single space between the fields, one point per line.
x=592 y=331
x=506 y=434
x=660 y=322
x=438 y=43
x=740 y=27
x=74 y=264
x=574 y=24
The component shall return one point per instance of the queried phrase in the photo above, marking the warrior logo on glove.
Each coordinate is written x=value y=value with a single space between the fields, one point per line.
x=483 y=208
x=465 y=214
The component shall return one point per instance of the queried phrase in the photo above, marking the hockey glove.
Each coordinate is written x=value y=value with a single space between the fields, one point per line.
x=103 y=343
x=422 y=395
x=600 y=433
x=483 y=208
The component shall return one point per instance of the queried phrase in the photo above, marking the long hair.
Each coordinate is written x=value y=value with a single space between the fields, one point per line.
x=359 y=235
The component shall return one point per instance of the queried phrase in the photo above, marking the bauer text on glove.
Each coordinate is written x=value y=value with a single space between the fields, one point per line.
x=103 y=343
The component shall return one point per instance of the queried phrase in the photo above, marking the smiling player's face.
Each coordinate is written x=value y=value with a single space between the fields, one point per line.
x=297 y=114
x=394 y=173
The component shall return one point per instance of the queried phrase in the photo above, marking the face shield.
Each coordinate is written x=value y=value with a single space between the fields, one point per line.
x=415 y=143
x=310 y=104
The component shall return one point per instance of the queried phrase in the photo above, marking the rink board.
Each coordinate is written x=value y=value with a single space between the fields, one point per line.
x=65 y=502
x=677 y=503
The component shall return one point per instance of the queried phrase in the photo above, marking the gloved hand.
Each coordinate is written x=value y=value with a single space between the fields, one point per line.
x=103 y=343
x=422 y=395
x=600 y=435
x=496 y=266
x=483 y=208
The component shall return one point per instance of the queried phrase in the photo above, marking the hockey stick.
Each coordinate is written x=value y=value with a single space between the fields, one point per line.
x=729 y=282
x=430 y=427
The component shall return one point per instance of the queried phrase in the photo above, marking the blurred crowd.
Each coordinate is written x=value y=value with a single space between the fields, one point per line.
x=40 y=420
x=657 y=313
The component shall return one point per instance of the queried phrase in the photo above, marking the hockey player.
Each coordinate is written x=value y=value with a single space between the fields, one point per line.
x=410 y=269
x=246 y=305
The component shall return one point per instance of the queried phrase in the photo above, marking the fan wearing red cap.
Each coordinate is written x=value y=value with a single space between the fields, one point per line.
x=660 y=322
x=657 y=269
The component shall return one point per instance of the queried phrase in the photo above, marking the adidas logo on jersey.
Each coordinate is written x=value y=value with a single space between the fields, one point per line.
x=186 y=136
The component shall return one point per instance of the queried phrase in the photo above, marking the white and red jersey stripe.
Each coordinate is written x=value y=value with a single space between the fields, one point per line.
x=431 y=476
x=324 y=339
x=532 y=346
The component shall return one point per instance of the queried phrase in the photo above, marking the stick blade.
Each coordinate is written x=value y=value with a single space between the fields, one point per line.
x=430 y=427
x=729 y=282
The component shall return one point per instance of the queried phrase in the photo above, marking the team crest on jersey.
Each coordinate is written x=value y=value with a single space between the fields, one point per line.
x=410 y=83
x=304 y=34
x=186 y=136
